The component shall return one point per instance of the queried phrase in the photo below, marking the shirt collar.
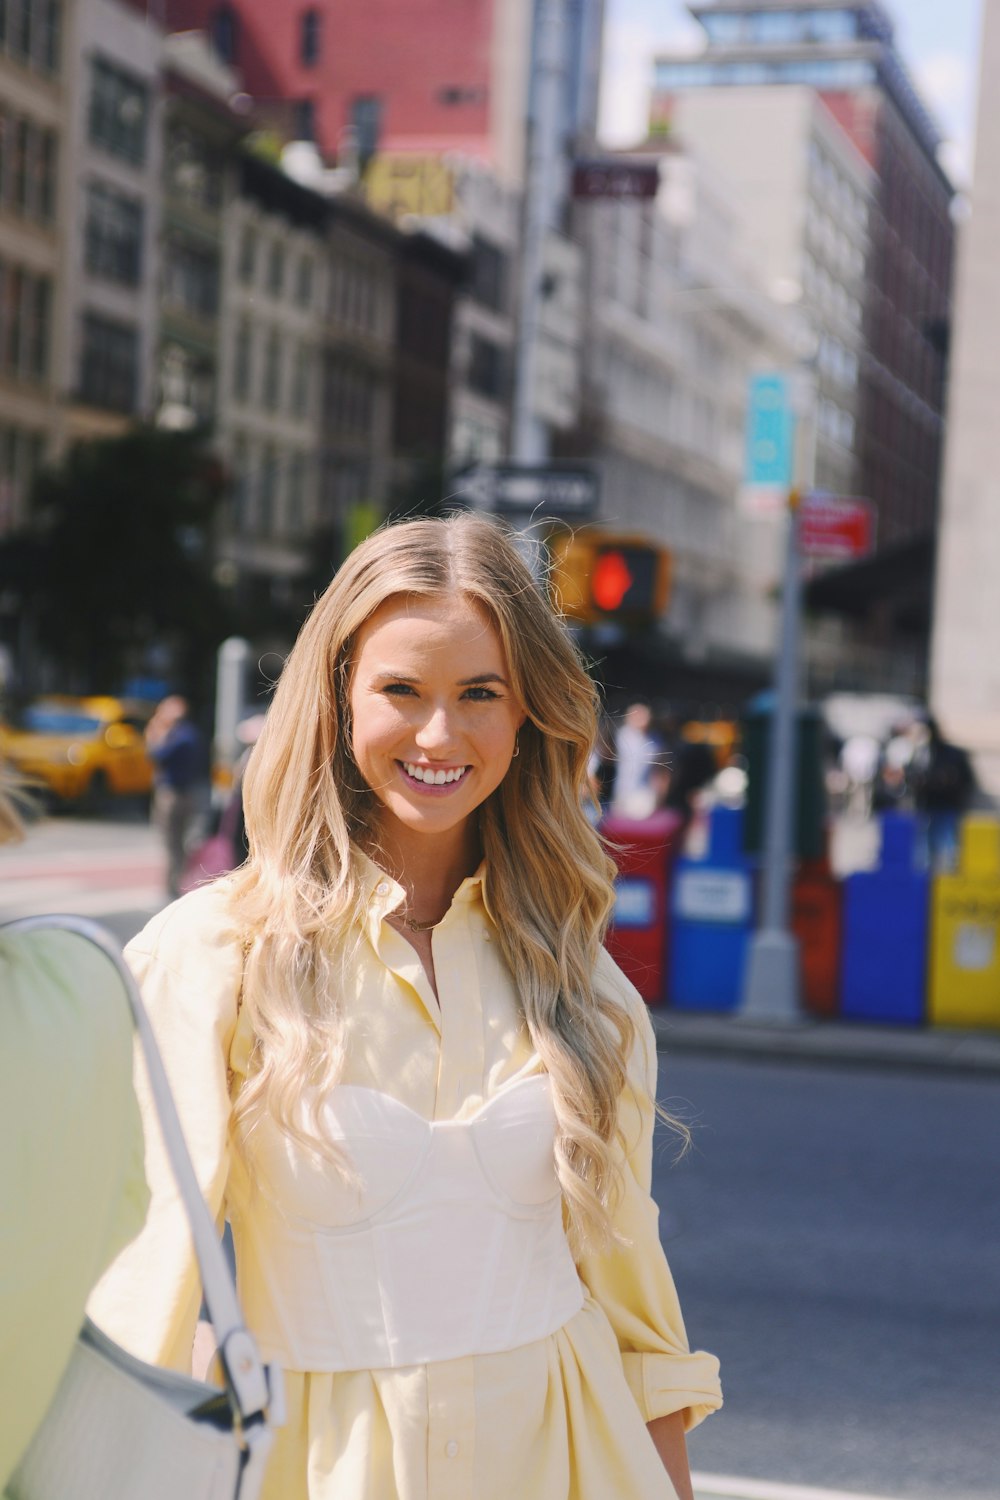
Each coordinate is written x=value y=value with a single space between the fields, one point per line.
x=381 y=894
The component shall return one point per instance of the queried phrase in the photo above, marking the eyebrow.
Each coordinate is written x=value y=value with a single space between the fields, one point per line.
x=483 y=677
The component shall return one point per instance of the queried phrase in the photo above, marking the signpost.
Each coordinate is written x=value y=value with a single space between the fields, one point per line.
x=566 y=493
x=835 y=526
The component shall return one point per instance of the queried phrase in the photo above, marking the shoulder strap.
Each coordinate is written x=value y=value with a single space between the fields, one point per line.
x=253 y=1396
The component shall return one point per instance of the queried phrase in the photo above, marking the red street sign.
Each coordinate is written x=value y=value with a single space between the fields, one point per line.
x=611 y=178
x=834 y=526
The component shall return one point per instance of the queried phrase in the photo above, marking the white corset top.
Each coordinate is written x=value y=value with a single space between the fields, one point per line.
x=449 y=1242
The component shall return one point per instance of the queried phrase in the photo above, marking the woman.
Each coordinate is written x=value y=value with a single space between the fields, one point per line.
x=410 y=1073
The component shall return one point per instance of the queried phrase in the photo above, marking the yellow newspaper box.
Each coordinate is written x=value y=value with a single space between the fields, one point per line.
x=965 y=932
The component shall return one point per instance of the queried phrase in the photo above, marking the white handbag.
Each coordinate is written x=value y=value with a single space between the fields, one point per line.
x=120 y=1429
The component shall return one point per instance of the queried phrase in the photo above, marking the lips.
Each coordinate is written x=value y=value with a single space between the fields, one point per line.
x=432 y=776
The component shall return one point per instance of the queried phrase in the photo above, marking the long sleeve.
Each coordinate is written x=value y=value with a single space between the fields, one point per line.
x=188 y=964
x=632 y=1280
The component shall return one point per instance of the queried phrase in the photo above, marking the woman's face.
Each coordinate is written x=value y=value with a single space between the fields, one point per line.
x=434 y=716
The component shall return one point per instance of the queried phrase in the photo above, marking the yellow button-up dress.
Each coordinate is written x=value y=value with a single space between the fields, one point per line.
x=558 y=1419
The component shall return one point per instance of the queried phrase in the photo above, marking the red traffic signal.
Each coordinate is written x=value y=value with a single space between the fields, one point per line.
x=599 y=576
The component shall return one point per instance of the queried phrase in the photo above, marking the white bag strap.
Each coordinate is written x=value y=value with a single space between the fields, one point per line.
x=254 y=1388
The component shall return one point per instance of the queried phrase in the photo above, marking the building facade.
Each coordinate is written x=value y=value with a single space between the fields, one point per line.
x=847 y=54
x=35 y=45
x=109 y=307
x=965 y=661
x=269 y=391
x=676 y=322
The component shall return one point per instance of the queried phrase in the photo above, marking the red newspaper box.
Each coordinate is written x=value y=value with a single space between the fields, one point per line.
x=637 y=938
x=816 y=922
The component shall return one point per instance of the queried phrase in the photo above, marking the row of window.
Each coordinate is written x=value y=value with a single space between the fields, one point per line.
x=119 y=112
x=270 y=494
x=353 y=296
x=190 y=277
x=818 y=73
x=25 y=323
x=768 y=28
x=31 y=33
x=834 y=190
x=350 y=401
x=272 y=382
x=113 y=235
x=22 y=453
x=109 y=363
x=225 y=31
x=27 y=167
x=194 y=172
x=252 y=257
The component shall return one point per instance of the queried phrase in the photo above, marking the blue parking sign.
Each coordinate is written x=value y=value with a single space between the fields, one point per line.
x=770 y=451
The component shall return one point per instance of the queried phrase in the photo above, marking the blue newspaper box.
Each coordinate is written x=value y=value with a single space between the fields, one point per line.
x=711 y=917
x=884 y=966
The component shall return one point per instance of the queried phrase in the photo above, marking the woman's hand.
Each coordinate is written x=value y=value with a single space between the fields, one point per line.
x=668 y=1435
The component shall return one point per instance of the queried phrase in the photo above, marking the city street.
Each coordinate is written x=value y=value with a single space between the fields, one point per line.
x=833 y=1234
x=834 y=1238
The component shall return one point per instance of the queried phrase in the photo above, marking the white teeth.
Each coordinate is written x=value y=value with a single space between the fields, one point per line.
x=433 y=778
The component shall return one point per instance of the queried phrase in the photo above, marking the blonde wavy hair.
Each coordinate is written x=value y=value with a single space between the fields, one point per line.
x=298 y=898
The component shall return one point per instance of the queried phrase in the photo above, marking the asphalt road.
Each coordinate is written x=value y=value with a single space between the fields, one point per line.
x=835 y=1237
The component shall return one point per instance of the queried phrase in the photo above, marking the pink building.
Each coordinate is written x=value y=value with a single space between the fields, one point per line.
x=421 y=76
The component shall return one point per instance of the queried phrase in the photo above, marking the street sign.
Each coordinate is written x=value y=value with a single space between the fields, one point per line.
x=835 y=526
x=525 y=490
x=611 y=177
x=770 y=445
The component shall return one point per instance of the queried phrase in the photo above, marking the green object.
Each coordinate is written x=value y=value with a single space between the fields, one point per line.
x=809 y=822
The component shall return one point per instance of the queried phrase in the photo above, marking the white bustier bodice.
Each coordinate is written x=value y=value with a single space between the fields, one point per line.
x=448 y=1242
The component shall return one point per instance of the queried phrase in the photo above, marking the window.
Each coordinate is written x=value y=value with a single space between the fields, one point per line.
x=266 y=490
x=271 y=392
x=309 y=38
x=304 y=120
x=489 y=274
x=109 y=364
x=242 y=361
x=194 y=171
x=301 y=381
x=113 y=235
x=486 y=367
x=191 y=278
x=45 y=197
x=276 y=269
x=25 y=322
x=295 y=509
x=366 y=122
x=19 y=168
x=225 y=33
x=119 y=109
x=304 y=281
x=248 y=256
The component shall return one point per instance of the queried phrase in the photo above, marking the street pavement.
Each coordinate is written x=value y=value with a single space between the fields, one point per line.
x=850 y=1374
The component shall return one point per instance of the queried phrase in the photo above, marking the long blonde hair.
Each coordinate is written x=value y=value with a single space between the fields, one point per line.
x=549 y=879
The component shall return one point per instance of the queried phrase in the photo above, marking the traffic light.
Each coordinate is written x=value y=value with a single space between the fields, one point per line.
x=603 y=577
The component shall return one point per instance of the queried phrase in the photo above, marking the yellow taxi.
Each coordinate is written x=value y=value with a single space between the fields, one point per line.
x=80 y=749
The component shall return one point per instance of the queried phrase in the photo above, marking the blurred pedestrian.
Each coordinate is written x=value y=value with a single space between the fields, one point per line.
x=72 y=1189
x=943 y=784
x=177 y=750
x=637 y=750
x=411 y=1071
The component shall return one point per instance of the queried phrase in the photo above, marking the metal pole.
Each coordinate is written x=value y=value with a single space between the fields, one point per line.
x=771 y=990
x=529 y=438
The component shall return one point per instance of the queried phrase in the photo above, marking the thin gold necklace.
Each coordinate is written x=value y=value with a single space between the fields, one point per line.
x=418 y=926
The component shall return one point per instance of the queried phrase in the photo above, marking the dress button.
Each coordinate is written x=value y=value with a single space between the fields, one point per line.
x=383 y=888
x=451 y=1449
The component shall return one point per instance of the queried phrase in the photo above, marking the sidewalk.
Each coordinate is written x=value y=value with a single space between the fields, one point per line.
x=838 y=1042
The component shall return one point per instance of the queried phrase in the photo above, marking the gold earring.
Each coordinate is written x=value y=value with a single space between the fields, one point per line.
x=517 y=748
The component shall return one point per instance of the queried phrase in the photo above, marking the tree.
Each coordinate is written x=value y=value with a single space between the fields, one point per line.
x=115 y=560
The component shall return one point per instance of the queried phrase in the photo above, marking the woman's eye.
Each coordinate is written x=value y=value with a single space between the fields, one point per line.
x=480 y=694
x=398 y=689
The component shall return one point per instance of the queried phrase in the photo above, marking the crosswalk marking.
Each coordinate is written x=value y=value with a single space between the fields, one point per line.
x=729 y=1487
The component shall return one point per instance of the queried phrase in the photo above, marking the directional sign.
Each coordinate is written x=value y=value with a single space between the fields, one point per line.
x=524 y=490
x=770 y=444
x=615 y=177
x=835 y=526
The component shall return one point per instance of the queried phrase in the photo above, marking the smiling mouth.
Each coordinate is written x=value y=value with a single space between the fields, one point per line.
x=429 y=777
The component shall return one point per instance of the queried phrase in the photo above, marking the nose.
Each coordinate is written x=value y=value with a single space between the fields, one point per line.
x=437 y=733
